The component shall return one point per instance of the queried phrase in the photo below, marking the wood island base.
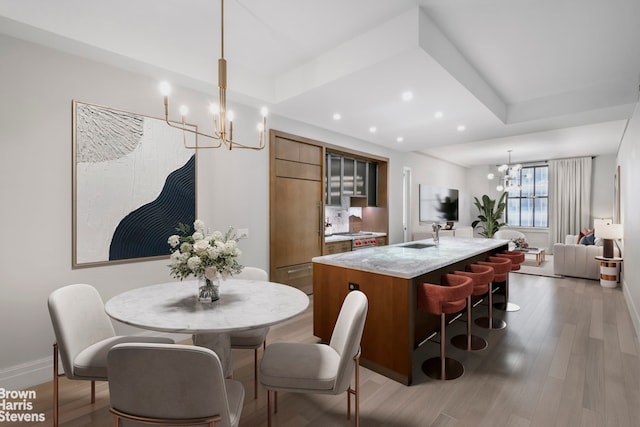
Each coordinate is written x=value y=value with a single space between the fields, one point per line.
x=394 y=327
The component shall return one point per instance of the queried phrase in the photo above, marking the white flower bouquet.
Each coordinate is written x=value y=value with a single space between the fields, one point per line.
x=202 y=254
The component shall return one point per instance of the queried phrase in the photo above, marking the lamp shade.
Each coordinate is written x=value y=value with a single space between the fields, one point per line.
x=609 y=231
x=597 y=222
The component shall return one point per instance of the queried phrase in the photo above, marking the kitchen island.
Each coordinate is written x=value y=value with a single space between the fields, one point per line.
x=389 y=276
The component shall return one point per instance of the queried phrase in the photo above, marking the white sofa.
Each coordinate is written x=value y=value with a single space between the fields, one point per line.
x=572 y=259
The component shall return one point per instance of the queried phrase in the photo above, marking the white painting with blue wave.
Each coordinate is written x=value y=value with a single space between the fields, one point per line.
x=134 y=182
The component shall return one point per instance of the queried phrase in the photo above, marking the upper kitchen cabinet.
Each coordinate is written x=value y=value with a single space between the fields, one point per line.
x=348 y=177
x=333 y=184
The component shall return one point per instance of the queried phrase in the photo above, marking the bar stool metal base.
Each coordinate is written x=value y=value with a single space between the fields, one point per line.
x=433 y=368
x=506 y=306
x=485 y=322
x=477 y=343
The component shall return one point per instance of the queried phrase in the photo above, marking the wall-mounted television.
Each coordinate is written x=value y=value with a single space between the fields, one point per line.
x=438 y=204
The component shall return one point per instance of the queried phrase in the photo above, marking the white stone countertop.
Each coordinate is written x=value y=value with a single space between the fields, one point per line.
x=407 y=263
x=343 y=237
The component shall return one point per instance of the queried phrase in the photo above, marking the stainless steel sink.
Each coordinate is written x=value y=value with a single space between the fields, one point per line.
x=419 y=245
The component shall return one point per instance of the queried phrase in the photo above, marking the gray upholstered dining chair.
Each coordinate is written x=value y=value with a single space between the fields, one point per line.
x=255 y=338
x=84 y=335
x=171 y=384
x=319 y=368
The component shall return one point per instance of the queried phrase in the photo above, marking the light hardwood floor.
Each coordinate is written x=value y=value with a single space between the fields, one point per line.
x=569 y=357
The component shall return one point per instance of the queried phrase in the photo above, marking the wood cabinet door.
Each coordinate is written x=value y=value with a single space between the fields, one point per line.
x=298 y=223
x=337 y=247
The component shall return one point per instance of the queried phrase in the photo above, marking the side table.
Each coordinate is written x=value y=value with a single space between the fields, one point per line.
x=609 y=269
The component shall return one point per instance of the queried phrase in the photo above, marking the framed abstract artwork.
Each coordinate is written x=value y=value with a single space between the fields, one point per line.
x=133 y=182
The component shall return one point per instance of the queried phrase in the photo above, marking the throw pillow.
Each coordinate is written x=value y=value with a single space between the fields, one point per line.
x=589 y=239
x=584 y=232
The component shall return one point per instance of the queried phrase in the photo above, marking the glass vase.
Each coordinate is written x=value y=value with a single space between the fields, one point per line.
x=208 y=290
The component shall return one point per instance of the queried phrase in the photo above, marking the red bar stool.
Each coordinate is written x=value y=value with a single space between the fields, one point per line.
x=516 y=258
x=501 y=268
x=442 y=300
x=482 y=276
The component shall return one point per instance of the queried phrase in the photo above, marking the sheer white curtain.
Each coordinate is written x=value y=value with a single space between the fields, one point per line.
x=570 y=197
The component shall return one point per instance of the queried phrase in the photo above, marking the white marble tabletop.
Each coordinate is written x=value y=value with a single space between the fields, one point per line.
x=407 y=263
x=173 y=307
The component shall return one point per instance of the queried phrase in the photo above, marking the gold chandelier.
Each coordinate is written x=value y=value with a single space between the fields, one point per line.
x=222 y=118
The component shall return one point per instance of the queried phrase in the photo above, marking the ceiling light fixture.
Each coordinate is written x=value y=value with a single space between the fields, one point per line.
x=336 y=116
x=509 y=176
x=221 y=115
x=373 y=129
x=399 y=139
x=407 y=96
x=438 y=114
x=461 y=128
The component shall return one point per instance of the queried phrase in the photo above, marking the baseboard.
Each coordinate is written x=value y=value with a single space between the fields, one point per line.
x=633 y=310
x=30 y=374
x=26 y=375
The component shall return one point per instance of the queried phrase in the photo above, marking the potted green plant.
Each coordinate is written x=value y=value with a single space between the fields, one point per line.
x=490 y=215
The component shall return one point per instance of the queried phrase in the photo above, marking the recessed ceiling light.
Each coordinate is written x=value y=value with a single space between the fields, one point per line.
x=373 y=129
x=399 y=139
x=407 y=96
x=337 y=116
x=461 y=128
x=438 y=114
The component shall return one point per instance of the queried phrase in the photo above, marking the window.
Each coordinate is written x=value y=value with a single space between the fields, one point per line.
x=528 y=205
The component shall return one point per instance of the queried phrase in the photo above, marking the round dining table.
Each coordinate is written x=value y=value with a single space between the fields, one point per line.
x=174 y=307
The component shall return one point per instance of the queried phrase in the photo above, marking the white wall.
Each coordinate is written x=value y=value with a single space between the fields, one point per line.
x=36 y=90
x=429 y=171
x=604 y=168
x=629 y=159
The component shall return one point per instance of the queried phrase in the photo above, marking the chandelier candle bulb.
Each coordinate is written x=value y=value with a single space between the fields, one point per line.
x=165 y=89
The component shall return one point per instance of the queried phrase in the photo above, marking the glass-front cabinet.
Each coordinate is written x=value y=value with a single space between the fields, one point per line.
x=346 y=176
x=333 y=180
x=348 y=181
x=360 y=177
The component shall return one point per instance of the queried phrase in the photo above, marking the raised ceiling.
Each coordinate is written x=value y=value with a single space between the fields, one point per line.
x=546 y=78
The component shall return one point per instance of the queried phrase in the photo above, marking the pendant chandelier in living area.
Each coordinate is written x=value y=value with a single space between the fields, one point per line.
x=509 y=176
x=222 y=118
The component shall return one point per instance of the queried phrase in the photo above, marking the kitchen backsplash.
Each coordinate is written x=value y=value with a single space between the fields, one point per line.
x=339 y=219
